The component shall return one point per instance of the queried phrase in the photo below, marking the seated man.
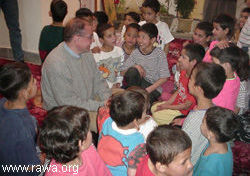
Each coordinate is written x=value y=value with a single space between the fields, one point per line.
x=70 y=75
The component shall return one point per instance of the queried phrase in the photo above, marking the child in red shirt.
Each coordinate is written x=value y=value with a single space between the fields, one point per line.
x=181 y=102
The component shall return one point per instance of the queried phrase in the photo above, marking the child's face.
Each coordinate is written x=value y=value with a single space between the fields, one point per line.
x=149 y=15
x=181 y=165
x=109 y=37
x=218 y=32
x=128 y=20
x=184 y=62
x=200 y=37
x=130 y=36
x=243 y=18
x=144 y=41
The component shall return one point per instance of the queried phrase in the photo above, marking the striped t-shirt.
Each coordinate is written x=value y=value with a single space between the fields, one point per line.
x=155 y=64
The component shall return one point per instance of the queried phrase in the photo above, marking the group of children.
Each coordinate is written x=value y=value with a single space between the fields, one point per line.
x=130 y=143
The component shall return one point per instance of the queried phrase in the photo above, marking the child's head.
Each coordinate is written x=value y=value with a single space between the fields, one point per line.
x=150 y=10
x=223 y=27
x=17 y=82
x=131 y=17
x=203 y=33
x=128 y=107
x=87 y=15
x=65 y=133
x=207 y=79
x=169 y=150
x=131 y=34
x=244 y=16
x=144 y=93
x=219 y=124
x=147 y=35
x=106 y=34
x=232 y=59
x=101 y=17
x=191 y=55
x=58 y=10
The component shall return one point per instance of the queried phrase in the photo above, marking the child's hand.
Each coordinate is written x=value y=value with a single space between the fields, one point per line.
x=177 y=122
x=141 y=70
x=185 y=43
x=96 y=50
x=162 y=106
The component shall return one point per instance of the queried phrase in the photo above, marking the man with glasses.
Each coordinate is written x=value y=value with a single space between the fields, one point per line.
x=70 y=75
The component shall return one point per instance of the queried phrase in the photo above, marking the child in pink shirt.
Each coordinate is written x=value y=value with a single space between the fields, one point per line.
x=223 y=32
x=66 y=139
x=230 y=59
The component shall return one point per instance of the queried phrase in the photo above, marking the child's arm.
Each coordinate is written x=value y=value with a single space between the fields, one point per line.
x=166 y=48
x=157 y=84
x=183 y=106
x=170 y=101
x=135 y=158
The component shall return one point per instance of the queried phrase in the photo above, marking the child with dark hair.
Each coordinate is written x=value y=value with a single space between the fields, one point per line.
x=130 y=38
x=17 y=126
x=150 y=12
x=129 y=18
x=111 y=57
x=244 y=14
x=87 y=15
x=223 y=32
x=168 y=153
x=203 y=34
x=206 y=82
x=119 y=134
x=101 y=17
x=181 y=102
x=66 y=139
x=219 y=126
x=51 y=35
x=147 y=66
x=236 y=68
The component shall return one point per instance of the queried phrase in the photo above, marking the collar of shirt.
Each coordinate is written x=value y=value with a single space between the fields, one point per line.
x=71 y=52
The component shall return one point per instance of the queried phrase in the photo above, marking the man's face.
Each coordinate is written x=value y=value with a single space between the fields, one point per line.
x=85 y=39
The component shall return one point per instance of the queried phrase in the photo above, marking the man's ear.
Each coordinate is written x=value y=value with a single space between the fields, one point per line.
x=50 y=13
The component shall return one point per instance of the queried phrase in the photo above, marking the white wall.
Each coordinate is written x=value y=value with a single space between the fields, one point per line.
x=33 y=15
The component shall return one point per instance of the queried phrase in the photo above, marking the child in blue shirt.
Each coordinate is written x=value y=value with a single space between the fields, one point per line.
x=218 y=126
x=119 y=134
x=17 y=126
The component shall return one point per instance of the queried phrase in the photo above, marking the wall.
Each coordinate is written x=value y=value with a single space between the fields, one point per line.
x=33 y=15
